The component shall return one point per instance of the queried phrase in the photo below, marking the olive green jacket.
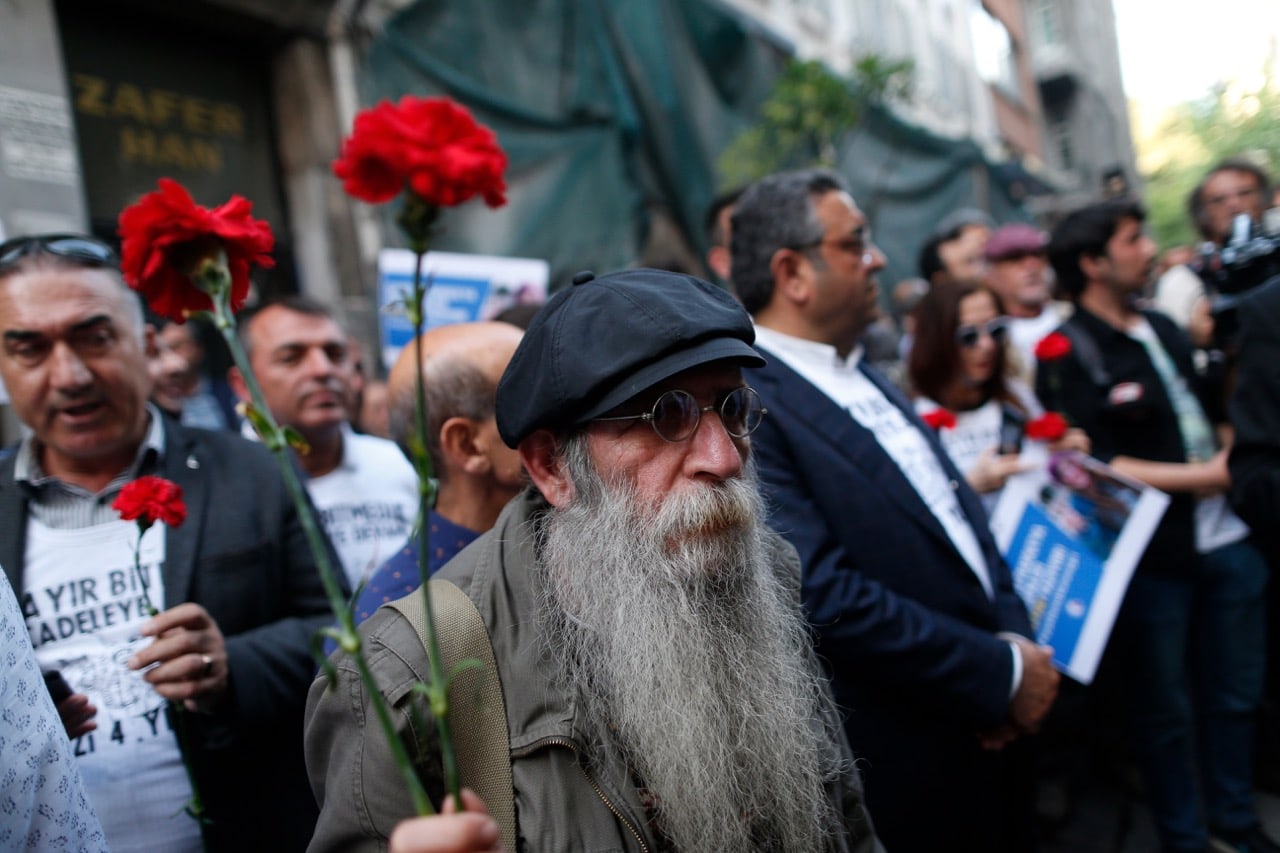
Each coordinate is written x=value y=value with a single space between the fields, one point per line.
x=563 y=800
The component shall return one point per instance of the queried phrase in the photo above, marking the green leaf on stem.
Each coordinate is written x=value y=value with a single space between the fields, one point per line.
x=462 y=666
x=262 y=425
x=195 y=808
x=437 y=698
x=294 y=439
x=317 y=652
x=416 y=719
x=417 y=447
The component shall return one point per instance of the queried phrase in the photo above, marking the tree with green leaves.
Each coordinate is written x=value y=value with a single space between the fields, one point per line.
x=1229 y=122
x=803 y=122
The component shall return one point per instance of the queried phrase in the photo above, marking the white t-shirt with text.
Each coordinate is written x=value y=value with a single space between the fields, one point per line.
x=368 y=504
x=83 y=606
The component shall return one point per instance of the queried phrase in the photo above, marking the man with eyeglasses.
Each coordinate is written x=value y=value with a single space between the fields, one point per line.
x=236 y=584
x=1233 y=186
x=915 y=612
x=660 y=686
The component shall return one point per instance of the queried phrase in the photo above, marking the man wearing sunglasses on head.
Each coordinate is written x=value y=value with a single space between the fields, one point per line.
x=659 y=682
x=915 y=611
x=236 y=584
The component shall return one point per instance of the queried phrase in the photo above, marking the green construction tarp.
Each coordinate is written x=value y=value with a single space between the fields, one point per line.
x=907 y=180
x=610 y=109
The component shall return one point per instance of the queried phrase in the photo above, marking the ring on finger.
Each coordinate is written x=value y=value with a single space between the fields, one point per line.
x=207 y=670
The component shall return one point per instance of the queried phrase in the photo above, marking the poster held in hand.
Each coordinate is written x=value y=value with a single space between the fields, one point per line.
x=1072 y=532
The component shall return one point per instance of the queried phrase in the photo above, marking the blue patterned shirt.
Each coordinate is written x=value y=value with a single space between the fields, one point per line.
x=398 y=576
x=43 y=805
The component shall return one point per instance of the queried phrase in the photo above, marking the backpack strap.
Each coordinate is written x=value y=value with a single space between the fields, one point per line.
x=1085 y=349
x=477 y=713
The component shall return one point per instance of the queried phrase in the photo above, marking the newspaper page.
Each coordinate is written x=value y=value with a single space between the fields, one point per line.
x=1072 y=531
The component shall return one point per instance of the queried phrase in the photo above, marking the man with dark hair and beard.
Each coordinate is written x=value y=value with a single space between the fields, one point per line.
x=660 y=686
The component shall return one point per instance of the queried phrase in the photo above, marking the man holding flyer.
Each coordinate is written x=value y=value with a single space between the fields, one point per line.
x=1127 y=380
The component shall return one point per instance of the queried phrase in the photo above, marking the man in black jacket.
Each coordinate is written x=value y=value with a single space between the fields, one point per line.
x=1255 y=415
x=1128 y=383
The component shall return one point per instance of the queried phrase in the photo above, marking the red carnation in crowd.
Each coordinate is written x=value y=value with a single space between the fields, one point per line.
x=151 y=499
x=1052 y=347
x=431 y=144
x=166 y=234
x=1050 y=426
x=940 y=419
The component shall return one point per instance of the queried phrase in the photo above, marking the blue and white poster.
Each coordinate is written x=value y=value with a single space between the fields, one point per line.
x=1072 y=532
x=461 y=289
x=1055 y=579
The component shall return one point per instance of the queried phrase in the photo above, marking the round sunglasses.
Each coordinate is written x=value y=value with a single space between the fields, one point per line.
x=676 y=414
x=969 y=335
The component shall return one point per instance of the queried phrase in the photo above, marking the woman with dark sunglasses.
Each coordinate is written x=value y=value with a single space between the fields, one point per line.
x=960 y=365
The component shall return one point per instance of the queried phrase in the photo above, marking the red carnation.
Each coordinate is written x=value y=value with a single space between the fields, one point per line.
x=1050 y=426
x=166 y=232
x=431 y=144
x=940 y=419
x=151 y=499
x=1052 y=347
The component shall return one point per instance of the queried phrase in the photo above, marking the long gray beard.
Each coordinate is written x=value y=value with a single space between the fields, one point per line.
x=677 y=634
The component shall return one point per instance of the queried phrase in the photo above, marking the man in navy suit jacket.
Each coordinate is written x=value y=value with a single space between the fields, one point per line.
x=914 y=608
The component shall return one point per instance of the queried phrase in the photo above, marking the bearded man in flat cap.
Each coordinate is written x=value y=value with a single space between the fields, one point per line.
x=659 y=683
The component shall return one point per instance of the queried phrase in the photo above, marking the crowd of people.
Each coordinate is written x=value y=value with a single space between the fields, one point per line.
x=737 y=576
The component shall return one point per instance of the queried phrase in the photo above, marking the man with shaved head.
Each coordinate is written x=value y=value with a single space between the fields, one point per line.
x=476 y=472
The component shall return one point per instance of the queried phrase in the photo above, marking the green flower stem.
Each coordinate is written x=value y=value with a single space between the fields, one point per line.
x=214 y=279
x=417 y=219
x=438 y=689
x=137 y=569
x=195 y=805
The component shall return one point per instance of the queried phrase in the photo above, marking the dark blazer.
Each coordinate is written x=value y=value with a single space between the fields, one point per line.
x=906 y=629
x=242 y=555
x=1255 y=414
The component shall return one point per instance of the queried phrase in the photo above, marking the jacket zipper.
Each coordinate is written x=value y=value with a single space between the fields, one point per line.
x=572 y=747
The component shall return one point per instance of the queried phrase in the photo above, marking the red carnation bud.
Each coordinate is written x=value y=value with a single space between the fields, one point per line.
x=1050 y=426
x=940 y=419
x=1052 y=347
x=432 y=146
x=151 y=499
x=166 y=236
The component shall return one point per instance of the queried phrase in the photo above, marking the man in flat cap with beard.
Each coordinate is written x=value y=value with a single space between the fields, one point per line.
x=659 y=682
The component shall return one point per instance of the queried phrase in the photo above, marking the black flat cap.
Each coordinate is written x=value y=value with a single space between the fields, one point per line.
x=601 y=341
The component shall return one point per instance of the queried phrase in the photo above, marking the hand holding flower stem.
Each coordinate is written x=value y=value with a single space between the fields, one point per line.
x=148 y=500
x=434 y=154
x=186 y=259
